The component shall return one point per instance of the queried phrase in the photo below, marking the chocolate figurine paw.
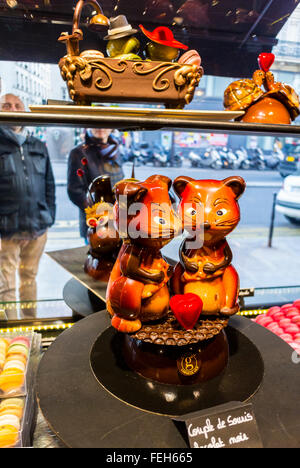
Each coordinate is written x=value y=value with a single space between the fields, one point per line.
x=210 y=268
x=188 y=265
x=191 y=267
x=228 y=312
x=159 y=277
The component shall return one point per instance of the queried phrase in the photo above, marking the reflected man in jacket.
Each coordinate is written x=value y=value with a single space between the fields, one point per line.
x=101 y=153
x=27 y=209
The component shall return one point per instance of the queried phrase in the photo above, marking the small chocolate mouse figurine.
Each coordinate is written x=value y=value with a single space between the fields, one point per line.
x=122 y=44
x=137 y=290
x=209 y=211
x=103 y=238
x=162 y=46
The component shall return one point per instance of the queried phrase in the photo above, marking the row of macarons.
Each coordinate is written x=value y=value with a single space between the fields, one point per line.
x=13 y=361
x=11 y=414
x=284 y=322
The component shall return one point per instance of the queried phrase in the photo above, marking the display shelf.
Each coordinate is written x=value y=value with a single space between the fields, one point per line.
x=72 y=260
x=83 y=414
x=265 y=298
x=85 y=295
x=145 y=122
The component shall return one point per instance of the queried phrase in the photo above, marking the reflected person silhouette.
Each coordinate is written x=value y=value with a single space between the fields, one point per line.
x=27 y=210
x=98 y=155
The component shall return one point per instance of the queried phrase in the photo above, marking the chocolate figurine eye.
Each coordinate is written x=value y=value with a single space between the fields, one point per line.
x=221 y=212
x=191 y=211
x=159 y=220
x=102 y=221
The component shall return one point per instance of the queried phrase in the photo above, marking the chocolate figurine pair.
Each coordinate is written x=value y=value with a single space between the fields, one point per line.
x=162 y=46
x=142 y=282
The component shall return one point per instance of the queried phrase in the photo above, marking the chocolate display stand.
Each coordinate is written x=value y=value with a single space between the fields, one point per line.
x=72 y=260
x=111 y=406
x=83 y=294
x=81 y=300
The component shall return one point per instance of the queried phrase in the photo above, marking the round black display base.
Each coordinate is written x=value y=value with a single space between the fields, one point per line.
x=233 y=384
x=85 y=414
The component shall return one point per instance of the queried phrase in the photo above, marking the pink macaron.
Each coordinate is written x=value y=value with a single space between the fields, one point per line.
x=278 y=315
x=264 y=320
x=191 y=57
x=292 y=329
x=283 y=323
x=273 y=310
x=293 y=312
x=297 y=304
x=286 y=337
x=296 y=320
x=273 y=327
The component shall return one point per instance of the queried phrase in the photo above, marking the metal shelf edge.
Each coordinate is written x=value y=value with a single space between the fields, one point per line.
x=144 y=123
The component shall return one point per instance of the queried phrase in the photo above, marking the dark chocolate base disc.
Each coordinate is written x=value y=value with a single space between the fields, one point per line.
x=169 y=332
x=233 y=384
x=177 y=365
x=82 y=387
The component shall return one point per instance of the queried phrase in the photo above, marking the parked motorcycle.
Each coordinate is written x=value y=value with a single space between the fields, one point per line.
x=176 y=160
x=211 y=158
x=232 y=159
x=242 y=158
x=272 y=161
x=195 y=159
x=256 y=159
x=158 y=156
x=223 y=152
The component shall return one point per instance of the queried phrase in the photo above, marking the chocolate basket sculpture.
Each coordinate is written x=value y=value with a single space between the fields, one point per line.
x=91 y=77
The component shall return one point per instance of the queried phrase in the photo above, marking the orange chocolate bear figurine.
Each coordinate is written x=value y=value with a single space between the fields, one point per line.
x=137 y=291
x=205 y=269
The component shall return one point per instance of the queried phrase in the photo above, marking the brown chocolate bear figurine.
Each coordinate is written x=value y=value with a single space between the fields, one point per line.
x=102 y=236
x=137 y=291
x=210 y=211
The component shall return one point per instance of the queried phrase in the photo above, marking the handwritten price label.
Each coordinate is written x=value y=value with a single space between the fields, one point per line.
x=234 y=427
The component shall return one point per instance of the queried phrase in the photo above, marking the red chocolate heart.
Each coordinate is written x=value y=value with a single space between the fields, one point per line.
x=265 y=61
x=187 y=309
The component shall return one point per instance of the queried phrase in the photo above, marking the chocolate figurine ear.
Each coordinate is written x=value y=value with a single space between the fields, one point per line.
x=162 y=178
x=180 y=183
x=134 y=192
x=237 y=185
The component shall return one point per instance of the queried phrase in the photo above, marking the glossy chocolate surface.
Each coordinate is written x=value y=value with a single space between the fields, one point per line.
x=112 y=372
x=177 y=365
x=91 y=399
x=268 y=111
